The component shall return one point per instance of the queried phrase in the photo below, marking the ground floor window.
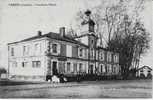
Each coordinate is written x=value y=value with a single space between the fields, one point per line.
x=36 y=64
x=14 y=64
x=80 y=67
x=102 y=68
x=24 y=64
x=109 y=68
x=75 y=67
x=114 y=70
x=68 y=66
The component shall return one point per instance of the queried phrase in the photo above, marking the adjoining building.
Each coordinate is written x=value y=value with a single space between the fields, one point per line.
x=56 y=53
x=144 y=72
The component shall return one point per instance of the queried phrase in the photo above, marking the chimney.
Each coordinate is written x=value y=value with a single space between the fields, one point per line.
x=62 y=31
x=39 y=33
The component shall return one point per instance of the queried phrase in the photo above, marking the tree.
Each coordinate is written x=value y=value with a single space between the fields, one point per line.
x=131 y=45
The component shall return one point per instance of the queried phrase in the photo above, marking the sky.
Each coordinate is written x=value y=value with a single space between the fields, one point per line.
x=20 y=22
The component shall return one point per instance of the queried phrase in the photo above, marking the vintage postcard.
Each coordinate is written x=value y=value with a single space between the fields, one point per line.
x=76 y=49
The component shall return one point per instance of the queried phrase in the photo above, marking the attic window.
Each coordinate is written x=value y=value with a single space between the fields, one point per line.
x=92 y=41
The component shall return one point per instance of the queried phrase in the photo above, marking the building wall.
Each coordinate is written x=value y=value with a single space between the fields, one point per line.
x=27 y=55
x=103 y=62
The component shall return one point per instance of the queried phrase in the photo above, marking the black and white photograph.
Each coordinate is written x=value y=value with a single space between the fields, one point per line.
x=76 y=49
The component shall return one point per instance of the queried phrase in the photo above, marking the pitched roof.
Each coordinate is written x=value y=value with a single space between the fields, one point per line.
x=53 y=35
x=144 y=67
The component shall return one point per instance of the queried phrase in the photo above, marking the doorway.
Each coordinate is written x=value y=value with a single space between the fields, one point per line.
x=54 y=68
x=91 y=69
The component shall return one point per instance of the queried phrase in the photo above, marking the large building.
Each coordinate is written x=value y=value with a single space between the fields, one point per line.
x=56 y=53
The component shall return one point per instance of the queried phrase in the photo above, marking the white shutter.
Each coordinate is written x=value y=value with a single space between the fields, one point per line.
x=58 y=48
x=68 y=50
x=51 y=49
x=71 y=67
x=78 y=52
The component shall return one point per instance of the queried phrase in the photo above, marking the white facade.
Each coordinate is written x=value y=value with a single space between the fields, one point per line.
x=25 y=57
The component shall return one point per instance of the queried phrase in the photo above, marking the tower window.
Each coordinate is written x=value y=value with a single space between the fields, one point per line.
x=92 y=41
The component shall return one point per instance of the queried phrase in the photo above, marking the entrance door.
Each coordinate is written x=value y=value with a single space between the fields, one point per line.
x=91 y=69
x=54 y=69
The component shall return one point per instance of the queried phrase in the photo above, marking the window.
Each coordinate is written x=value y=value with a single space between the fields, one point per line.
x=68 y=50
x=81 y=52
x=25 y=50
x=101 y=68
x=115 y=58
x=75 y=67
x=68 y=66
x=14 y=64
x=92 y=53
x=37 y=48
x=109 y=68
x=24 y=64
x=92 y=41
x=102 y=55
x=114 y=69
x=54 y=48
x=104 y=69
x=12 y=51
x=91 y=28
x=109 y=57
x=80 y=67
x=36 y=64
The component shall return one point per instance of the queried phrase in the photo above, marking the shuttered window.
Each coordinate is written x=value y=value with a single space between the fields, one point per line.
x=68 y=66
x=36 y=64
x=75 y=67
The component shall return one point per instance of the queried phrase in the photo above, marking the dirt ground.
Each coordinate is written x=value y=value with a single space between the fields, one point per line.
x=87 y=89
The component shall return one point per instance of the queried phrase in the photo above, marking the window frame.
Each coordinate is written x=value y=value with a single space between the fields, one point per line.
x=24 y=64
x=36 y=64
x=12 y=51
x=102 y=56
x=81 y=54
x=53 y=44
x=68 y=67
